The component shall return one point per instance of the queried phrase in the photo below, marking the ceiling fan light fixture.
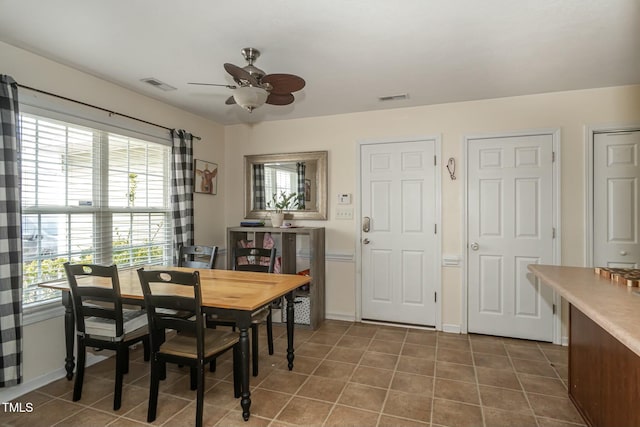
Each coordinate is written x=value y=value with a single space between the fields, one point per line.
x=250 y=97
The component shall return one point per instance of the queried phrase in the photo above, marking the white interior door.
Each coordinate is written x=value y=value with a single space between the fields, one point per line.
x=510 y=225
x=615 y=193
x=400 y=256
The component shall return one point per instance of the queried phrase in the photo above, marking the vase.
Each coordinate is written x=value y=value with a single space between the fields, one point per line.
x=276 y=219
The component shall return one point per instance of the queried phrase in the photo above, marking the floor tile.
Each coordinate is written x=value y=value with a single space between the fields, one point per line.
x=554 y=407
x=456 y=414
x=333 y=369
x=454 y=371
x=414 y=384
x=363 y=397
x=351 y=417
x=379 y=360
x=543 y=385
x=302 y=411
x=416 y=365
x=505 y=378
x=408 y=406
x=506 y=399
x=345 y=374
x=372 y=376
x=498 y=418
x=456 y=390
x=322 y=388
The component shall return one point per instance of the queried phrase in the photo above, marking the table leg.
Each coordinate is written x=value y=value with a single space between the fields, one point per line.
x=245 y=395
x=69 y=329
x=290 y=321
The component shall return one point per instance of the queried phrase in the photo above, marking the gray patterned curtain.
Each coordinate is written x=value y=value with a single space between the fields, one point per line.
x=258 y=187
x=182 y=180
x=301 y=167
x=10 y=237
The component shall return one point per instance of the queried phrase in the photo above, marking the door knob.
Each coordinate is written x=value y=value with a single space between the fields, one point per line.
x=474 y=246
x=623 y=253
x=365 y=241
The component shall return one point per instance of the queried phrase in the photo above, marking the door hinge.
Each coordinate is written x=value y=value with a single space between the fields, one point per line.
x=435 y=161
x=435 y=228
x=435 y=297
x=553 y=233
x=554 y=309
x=553 y=156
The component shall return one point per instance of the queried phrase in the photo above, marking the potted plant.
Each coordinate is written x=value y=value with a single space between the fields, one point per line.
x=280 y=203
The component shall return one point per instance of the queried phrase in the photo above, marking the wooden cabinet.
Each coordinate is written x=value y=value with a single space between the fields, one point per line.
x=604 y=374
x=299 y=248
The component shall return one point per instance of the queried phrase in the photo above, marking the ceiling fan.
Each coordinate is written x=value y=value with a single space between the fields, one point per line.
x=255 y=88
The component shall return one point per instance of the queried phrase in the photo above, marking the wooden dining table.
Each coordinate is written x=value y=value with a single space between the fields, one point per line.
x=224 y=292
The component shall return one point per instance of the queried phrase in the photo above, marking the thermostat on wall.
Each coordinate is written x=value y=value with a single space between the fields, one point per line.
x=344 y=199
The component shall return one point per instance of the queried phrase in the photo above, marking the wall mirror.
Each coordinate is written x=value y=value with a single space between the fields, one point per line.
x=302 y=173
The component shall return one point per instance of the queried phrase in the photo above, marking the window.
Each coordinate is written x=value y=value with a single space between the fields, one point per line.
x=280 y=178
x=90 y=195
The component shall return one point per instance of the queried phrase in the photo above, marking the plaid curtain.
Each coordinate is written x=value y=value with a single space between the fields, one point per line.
x=10 y=237
x=301 y=167
x=182 y=181
x=258 y=187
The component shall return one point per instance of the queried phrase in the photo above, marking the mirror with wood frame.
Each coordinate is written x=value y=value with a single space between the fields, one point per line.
x=268 y=177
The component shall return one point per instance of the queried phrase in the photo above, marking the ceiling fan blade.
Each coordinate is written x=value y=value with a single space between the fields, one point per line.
x=284 y=83
x=240 y=74
x=212 y=84
x=279 y=99
x=230 y=100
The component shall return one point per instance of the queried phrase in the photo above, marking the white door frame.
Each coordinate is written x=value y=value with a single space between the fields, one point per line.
x=438 y=208
x=557 y=254
x=589 y=141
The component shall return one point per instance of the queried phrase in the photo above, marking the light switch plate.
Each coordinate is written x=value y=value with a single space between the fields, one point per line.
x=344 y=213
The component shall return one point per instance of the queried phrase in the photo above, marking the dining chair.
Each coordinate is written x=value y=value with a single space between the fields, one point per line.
x=197 y=256
x=102 y=322
x=259 y=260
x=193 y=344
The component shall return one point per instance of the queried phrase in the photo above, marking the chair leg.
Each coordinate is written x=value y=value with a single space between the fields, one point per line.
x=254 y=348
x=212 y=366
x=156 y=368
x=270 y=332
x=200 y=393
x=121 y=367
x=82 y=354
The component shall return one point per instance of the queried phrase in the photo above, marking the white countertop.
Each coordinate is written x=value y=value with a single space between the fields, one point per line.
x=615 y=307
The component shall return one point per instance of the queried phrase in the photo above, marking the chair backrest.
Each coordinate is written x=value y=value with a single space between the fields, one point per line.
x=197 y=256
x=172 y=291
x=95 y=301
x=254 y=259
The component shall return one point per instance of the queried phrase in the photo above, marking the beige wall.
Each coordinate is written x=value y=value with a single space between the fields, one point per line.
x=568 y=111
x=32 y=70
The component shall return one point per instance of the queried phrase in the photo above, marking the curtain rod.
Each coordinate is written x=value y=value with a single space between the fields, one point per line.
x=98 y=108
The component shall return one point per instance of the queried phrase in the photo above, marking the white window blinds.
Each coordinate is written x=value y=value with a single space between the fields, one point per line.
x=90 y=195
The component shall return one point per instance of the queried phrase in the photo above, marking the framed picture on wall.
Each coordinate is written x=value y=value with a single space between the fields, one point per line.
x=206 y=177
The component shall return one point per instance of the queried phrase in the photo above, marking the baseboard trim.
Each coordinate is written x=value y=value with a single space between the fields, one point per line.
x=565 y=341
x=340 y=316
x=450 y=328
x=35 y=383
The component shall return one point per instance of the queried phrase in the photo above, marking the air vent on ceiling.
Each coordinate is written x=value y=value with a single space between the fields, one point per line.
x=158 y=84
x=399 y=97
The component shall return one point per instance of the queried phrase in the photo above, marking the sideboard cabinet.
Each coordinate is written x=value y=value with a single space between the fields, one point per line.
x=299 y=249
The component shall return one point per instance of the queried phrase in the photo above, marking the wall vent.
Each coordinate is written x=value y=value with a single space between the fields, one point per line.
x=399 y=97
x=158 y=84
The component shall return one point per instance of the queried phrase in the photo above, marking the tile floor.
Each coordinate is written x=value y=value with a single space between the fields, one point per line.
x=345 y=374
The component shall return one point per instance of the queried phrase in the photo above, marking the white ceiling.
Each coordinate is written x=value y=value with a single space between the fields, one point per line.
x=350 y=52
